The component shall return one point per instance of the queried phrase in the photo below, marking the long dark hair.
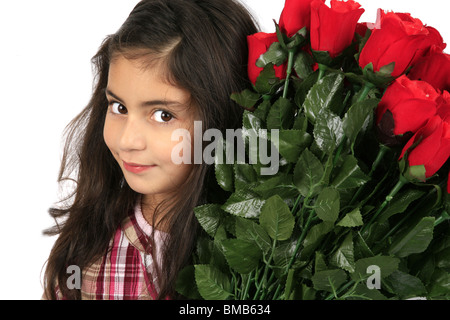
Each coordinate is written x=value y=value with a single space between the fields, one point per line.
x=203 y=43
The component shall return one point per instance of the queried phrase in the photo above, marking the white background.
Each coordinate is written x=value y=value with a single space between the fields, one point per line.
x=45 y=80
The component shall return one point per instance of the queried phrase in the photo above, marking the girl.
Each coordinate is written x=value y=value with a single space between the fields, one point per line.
x=130 y=226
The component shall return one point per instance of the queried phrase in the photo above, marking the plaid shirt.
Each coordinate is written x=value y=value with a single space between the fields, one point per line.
x=124 y=273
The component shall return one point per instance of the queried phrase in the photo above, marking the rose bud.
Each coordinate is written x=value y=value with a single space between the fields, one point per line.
x=295 y=16
x=434 y=69
x=433 y=146
x=258 y=44
x=398 y=38
x=333 y=29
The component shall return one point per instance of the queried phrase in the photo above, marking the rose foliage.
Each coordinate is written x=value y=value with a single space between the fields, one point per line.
x=363 y=118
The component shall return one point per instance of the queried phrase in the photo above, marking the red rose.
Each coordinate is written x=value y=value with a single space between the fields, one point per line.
x=448 y=183
x=399 y=38
x=411 y=103
x=434 y=69
x=258 y=44
x=361 y=28
x=333 y=29
x=433 y=146
x=296 y=14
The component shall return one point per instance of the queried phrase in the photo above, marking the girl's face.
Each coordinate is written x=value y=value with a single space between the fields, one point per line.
x=143 y=111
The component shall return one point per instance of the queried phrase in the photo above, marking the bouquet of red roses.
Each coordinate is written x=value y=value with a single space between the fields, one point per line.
x=358 y=207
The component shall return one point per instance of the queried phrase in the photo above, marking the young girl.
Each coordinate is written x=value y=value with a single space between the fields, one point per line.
x=130 y=226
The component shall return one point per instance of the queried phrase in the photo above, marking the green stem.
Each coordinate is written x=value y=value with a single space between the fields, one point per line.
x=365 y=91
x=297 y=247
x=264 y=281
x=375 y=164
x=444 y=216
x=405 y=218
x=247 y=286
x=322 y=69
x=401 y=182
x=288 y=72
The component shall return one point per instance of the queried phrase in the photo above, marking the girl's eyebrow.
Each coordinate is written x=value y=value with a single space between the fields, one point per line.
x=145 y=103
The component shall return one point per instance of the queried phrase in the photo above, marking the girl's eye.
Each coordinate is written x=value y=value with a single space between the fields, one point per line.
x=118 y=108
x=162 y=116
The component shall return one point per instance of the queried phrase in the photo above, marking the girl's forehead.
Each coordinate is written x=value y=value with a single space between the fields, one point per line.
x=136 y=72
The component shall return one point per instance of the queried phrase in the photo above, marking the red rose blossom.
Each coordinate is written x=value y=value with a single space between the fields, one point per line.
x=333 y=29
x=433 y=146
x=296 y=14
x=411 y=103
x=398 y=38
x=434 y=69
x=258 y=44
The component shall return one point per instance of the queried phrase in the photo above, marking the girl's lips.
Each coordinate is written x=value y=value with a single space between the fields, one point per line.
x=136 y=168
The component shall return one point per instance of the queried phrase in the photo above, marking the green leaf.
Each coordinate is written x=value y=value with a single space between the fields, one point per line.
x=244 y=175
x=355 y=118
x=244 y=203
x=324 y=96
x=223 y=171
x=406 y=285
x=262 y=110
x=209 y=217
x=243 y=256
x=443 y=259
x=362 y=290
x=280 y=184
x=416 y=173
x=440 y=283
x=400 y=202
x=349 y=175
x=303 y=88
x=413 y=240
x=267 y=82
x=185 y=283
x=303 y=63
x=316 y=233
x=276 y=55
x=292 y=143
x=252 y=129
x=249 y=230
x=308 y=174
x=212 y=284
x=386 y=264
x=329 y=280
x=251 y=123
x=379 y=79
x=327 y=205
x=351 y=219
x=328 y=132
x=276 y=218
x=281 y=115
x=319 y=262
x=246 y=98
x=344 y=256
x=322 y=57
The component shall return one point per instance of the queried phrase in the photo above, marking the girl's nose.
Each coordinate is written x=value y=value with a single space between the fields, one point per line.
x=132 y=137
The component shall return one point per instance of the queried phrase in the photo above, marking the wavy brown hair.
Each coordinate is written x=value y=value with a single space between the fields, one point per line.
x=203 y=43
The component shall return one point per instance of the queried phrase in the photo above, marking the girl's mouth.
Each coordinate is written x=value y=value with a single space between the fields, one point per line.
x=136 y=168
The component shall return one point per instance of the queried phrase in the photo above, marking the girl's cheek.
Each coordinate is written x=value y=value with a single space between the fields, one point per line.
x=109 y=135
